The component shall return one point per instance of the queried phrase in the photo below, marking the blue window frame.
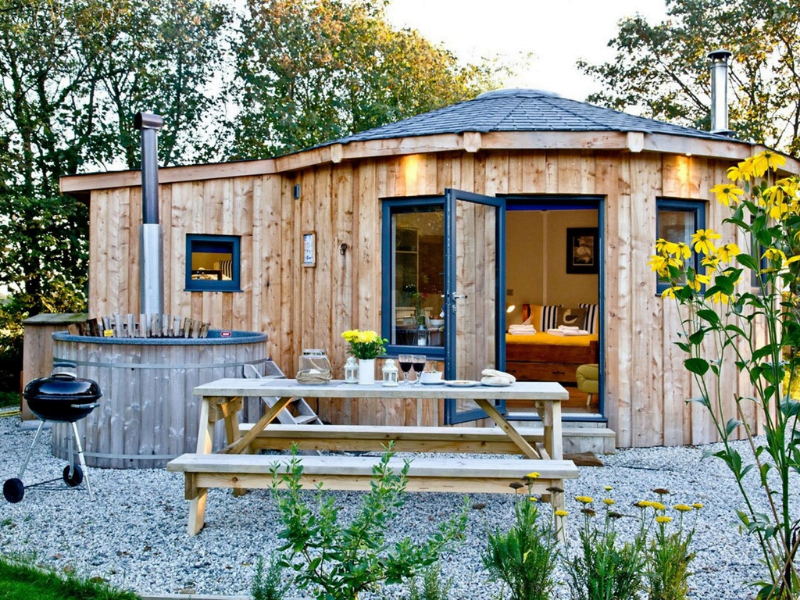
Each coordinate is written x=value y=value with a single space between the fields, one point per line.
x=412 y=251
x=213 y=263
x=676 y=221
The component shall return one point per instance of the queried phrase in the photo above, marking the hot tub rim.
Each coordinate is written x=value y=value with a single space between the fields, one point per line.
x=236 y=337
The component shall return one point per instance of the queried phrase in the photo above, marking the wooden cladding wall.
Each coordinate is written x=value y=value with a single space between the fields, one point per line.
x=645 y=383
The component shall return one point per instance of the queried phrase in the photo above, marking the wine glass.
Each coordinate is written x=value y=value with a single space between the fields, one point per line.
x=419 y=366
x=405 y=360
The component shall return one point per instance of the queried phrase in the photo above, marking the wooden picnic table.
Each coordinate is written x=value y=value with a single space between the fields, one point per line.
x=235 y=467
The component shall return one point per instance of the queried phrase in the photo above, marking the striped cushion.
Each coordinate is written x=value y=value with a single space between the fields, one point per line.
x=549 y=319
x=592 y=312
x=226 y=266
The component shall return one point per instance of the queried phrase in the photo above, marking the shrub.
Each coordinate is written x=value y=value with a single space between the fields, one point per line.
x=525 y=556
x=433 y=588
x=604 y=569
x=339 y=561
x=268 y=585
x=668 y=553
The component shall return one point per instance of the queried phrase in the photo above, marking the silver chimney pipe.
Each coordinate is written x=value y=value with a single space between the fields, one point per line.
x=151 y=251
x=719 y=91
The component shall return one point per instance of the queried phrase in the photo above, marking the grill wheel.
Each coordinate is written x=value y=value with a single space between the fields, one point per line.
x=77 y=476
x=13 y=490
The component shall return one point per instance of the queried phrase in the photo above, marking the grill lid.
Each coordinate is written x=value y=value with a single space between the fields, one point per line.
x=62 y=386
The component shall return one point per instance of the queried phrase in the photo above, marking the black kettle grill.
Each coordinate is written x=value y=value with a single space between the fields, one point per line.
x=62 y=398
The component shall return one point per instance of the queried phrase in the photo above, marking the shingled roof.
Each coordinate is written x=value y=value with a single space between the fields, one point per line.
x=521 y=110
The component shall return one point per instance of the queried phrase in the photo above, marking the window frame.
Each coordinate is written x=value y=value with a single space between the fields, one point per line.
x=698 y=208
x=201 y=285
x=388 y=207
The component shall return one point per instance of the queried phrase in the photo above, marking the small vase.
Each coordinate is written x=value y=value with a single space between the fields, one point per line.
x=366 y=371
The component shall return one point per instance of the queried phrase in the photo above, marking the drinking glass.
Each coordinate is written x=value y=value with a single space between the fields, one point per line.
x=405 y=360
x=419 y=366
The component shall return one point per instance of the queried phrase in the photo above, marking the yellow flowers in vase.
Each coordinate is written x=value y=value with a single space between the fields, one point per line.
x=365 y=345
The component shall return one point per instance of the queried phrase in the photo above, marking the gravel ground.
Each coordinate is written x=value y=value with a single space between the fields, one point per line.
x=134 y=534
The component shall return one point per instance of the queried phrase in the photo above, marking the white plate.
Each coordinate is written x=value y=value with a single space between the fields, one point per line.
x=462 y=383
x=495 y=384
x=440 y=382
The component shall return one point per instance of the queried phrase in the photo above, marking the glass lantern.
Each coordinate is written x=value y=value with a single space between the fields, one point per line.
x=422 y=336
x=389 y=374
x=314 y=368
x=351 y=370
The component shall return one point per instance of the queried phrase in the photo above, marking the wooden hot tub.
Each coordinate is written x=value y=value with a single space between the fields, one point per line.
x=148 y=415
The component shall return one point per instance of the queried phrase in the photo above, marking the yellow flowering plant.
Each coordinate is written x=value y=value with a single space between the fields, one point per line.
x=741 y=309
x=365 y=345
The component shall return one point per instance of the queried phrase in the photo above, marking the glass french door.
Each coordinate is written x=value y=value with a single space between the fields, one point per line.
x=474 y=303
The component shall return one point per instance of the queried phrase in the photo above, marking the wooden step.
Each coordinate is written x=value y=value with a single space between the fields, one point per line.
x=304 y=419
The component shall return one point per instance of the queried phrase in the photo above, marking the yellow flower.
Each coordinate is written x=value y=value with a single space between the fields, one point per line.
x=718 y=297
x=702 y=240
x=584 y=499
x=744 y=170
x=643 y=503
x=682 y=250
x=670 y=291
x=533 y=475
x=663 y=519
x=728 y=252
x=533 y=498
x=767 y=160
x=697 y=505
x=774 y=254
x=561 y=513
x=608 y=488
x=727 y=193
x=662 y=246
x=661 y=264
x=366 y=337
x=682 y=507
x=698 y=281
x=608 y=501
x=658 y=506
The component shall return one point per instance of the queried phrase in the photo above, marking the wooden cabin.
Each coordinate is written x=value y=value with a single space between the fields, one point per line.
x=436 y=231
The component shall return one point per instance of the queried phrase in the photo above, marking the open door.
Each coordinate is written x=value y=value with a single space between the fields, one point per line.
x=474 y=293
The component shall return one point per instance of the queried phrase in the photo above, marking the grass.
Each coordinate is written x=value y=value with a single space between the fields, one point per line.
x=9 y=399
x=19 y=581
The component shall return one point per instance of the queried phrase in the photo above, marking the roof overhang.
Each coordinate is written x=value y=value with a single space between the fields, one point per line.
x=468 y=141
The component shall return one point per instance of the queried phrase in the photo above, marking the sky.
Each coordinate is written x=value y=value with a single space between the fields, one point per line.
x=557 y=32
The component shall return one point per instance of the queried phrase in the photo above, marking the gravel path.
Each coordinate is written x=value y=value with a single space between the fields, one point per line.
x=134 y=534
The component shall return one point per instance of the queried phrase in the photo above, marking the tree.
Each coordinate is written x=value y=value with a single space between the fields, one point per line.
x=662 y=70
x=309 y=71
x=74 y=73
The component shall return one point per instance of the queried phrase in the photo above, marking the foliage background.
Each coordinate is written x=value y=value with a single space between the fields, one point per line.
x=661 y=71
x=271 y=78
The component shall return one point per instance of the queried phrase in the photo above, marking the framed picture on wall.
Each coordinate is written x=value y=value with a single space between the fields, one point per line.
x=583 y=251
x=309 y=249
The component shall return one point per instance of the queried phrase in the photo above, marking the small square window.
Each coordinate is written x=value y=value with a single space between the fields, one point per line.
x=676 y=221
x=212 y=263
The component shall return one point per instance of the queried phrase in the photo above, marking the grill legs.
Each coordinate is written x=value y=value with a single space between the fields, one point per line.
x=30 y=450
x=77 y=439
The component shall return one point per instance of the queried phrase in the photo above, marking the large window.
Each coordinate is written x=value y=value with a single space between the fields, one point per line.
x=676 y=221
x=212 y=263
x=413 y=250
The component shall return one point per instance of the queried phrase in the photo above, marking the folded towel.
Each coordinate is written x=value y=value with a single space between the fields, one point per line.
x=496 y=373
x=522 y=330
x=563 y=332
x=496 y=381
x=568 y=328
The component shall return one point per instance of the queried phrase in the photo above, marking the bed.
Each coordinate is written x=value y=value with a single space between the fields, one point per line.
x=545 y=357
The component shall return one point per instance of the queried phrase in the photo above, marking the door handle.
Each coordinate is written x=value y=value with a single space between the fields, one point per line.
x=459 y=296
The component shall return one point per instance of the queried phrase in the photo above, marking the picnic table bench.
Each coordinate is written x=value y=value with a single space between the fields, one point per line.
x=237 y=467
